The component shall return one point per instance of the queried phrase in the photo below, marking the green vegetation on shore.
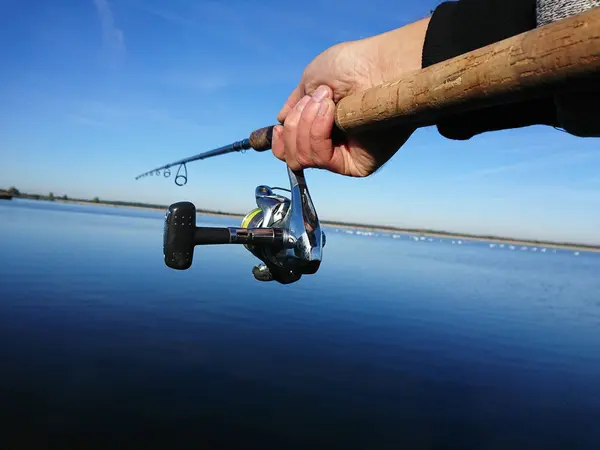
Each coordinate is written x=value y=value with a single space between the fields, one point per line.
x=64 y=198
x=416 y=231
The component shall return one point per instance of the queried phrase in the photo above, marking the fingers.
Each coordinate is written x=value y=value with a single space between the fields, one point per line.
x=289 y=135
x=277 y=145
x=283 y=142
x=313 y=136
x=304 y=140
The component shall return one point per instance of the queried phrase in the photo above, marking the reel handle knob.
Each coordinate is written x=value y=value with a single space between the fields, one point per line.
x=179 y=235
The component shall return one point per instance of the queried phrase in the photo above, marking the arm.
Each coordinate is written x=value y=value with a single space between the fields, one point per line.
x=304 y=140
x=577 y=113
x=549 y=11
x=458 y=27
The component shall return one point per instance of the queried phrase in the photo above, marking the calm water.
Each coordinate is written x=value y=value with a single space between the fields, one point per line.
x=393 y=344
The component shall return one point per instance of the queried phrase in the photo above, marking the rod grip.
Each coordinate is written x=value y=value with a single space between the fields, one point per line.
x=212 y=236
x=262 y=139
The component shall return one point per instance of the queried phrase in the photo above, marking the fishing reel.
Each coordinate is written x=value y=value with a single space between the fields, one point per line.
x=284 y=233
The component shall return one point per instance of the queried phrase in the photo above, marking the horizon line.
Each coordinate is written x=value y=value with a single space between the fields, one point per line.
x=380 y=227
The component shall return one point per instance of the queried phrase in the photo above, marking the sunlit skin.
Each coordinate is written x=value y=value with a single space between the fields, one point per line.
x=305 y=141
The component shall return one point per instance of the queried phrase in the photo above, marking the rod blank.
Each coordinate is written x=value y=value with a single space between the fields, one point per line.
x=235 y=147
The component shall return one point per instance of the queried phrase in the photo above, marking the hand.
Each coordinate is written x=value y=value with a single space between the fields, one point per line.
x=304 y=140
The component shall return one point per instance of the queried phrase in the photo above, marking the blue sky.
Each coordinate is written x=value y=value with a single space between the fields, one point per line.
x=94 y=92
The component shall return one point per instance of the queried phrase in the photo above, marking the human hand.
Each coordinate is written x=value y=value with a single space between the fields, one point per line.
x=305 y=138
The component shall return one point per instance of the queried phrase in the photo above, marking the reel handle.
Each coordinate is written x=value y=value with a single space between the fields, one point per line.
x=212 y=236
x=181 y=235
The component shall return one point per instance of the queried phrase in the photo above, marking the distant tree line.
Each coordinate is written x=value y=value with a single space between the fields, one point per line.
x=52 y=197
x=419 y=231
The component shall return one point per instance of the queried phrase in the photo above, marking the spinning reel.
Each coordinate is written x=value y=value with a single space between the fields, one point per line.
x=284 y=233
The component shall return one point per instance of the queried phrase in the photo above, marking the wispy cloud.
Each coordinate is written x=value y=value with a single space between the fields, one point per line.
x=173 y=17
x=238 y=23
x=84 y=120
x=124 y=115
x=213 y=80
x=215 y=20
x=198 y=81
x=113 y=37
x=544 y=162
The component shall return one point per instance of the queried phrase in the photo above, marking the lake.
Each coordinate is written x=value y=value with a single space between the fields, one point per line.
x=394 y=343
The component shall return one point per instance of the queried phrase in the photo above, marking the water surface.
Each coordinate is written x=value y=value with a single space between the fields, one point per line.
x=395 y=343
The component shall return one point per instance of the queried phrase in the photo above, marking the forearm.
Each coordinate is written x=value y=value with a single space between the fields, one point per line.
x=458 y=27
x=576 y=113
x=455 y=28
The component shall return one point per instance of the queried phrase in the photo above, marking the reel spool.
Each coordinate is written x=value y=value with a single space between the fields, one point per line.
x=284 y=233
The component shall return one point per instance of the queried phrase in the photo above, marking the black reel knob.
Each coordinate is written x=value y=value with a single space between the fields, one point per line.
x=179 y=235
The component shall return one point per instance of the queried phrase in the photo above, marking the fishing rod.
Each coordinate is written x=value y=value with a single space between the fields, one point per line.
x=259 y=140
x=285 y=233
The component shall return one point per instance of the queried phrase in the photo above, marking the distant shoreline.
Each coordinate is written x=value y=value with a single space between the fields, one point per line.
x=373 y=228
x=491 y=240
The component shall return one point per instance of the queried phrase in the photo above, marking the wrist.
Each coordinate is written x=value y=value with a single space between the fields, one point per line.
x=398 y=51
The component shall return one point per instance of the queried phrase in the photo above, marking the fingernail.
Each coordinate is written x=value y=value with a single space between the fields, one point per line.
x=320 y=94
x=302 y=103
x=323 y=108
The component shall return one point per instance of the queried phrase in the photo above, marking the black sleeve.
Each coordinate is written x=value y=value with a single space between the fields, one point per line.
x=458 y=27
